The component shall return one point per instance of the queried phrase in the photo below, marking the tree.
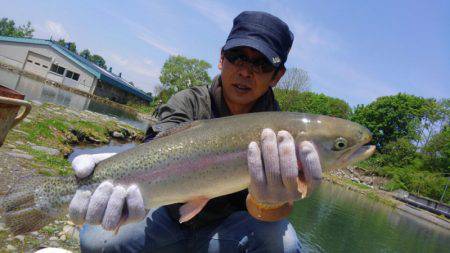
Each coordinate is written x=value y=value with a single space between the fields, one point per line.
x=393 y=117
x=9 y=28
x=98 y=60
x=179 y=73
x=69 y=45
x=437 y=152
x=86 y=54
x=294 y=79
x=437 y=116
x=310 y=102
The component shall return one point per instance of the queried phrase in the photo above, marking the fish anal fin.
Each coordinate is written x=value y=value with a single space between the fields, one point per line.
x=192 y=208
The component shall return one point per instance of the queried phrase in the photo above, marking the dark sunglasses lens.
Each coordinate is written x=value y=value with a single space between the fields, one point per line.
x=258 y=66
x=232 y=55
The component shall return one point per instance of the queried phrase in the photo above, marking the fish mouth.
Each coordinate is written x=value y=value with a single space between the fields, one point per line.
x=362 y=153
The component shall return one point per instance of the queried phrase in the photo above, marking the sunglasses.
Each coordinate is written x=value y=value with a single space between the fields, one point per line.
x=238 y=58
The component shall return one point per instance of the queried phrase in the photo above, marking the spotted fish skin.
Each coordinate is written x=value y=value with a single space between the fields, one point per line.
x=205 y=159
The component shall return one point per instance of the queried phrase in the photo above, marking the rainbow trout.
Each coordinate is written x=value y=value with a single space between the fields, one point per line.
x=205 y=158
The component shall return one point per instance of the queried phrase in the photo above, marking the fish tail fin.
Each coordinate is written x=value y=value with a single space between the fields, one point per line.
x=24 y=207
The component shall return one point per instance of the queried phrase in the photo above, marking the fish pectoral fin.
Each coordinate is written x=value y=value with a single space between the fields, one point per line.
x=192 y=208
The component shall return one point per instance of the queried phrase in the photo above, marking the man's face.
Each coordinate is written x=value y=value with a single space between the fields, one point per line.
x=241 y=85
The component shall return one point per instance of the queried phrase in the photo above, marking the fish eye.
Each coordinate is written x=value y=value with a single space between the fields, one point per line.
x=340 y=144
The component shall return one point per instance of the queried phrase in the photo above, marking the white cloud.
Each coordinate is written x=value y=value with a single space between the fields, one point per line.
x=145 y=34
x=119 y=60
x=214 y=11
x=152 y=41
x=56 y=30
x=143 y=73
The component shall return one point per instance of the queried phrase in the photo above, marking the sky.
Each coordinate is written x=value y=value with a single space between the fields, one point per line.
x=353 y=50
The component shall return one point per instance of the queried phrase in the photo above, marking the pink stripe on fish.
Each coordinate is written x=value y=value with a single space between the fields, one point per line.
x=183 y=167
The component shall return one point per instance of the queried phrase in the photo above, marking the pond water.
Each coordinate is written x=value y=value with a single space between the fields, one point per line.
x=37 y=91
x=334 y=219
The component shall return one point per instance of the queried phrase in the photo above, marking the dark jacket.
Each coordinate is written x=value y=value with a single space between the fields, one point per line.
x=205 y=102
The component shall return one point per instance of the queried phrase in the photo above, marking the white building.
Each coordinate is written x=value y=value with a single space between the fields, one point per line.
x=50 y=60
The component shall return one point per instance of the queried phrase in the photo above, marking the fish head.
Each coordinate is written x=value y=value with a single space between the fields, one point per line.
x=338 y=142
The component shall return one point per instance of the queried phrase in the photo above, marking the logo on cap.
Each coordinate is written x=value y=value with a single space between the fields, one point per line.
x=276 y=60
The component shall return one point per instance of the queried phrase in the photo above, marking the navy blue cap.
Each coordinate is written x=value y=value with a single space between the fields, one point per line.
x=263 y=32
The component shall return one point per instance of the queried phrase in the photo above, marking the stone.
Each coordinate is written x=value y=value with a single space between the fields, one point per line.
x=62 y=238
x=20 y=132
x=20 y=155
x=53 y=238
x=26 y=120
x=119 y=135
x=10 y=146
x=37 y=103
x=19 y=143
x=54 y=244
x=21 y=238
x=35 y=233
x=2 y=226
x=11 y=248
x=50 y=151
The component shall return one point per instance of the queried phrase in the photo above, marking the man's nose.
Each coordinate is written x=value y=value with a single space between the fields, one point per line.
x=245 y=70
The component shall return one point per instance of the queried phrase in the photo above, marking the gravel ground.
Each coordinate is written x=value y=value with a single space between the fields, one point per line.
x=28 y=152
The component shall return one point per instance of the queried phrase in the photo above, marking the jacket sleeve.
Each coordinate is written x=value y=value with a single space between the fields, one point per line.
x=185 y=106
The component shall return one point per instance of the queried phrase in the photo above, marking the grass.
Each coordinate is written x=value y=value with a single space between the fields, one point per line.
x=59 y=131
x=142 y=108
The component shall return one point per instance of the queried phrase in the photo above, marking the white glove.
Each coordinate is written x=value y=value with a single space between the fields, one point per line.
x=106 y=205
x=274 y=168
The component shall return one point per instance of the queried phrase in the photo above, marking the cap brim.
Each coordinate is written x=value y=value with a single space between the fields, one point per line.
x=257 y=45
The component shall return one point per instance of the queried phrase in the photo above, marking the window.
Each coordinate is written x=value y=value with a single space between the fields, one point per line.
x=57 y=69
x=29 y=61
x=45 y=66
x=69 y=74
x=37 y=63
x=72 y=75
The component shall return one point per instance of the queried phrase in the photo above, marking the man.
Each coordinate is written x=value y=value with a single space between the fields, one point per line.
x=251 y=63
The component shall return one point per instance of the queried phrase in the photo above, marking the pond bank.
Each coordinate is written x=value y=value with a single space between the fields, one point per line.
x=141 y=116
x=354 y=179
x=40 y=145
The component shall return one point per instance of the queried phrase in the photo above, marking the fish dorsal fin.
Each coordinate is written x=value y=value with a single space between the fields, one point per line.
x=179 y=128
x=192 y=208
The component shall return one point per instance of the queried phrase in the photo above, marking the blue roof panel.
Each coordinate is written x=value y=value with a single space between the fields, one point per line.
x=92 y=68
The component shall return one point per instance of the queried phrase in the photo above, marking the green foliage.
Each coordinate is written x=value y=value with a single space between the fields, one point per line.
x=423 y=183
x=437 y=152
x=310 y=102
x=8 y=28
x=69 y=45
x=86 y=54
x=94 y=58
x=398 y=153
x=393 y=117
x=98 y=60
x=179 y=73
x=147 y=108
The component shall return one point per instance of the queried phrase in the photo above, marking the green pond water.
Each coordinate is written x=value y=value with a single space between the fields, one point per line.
x=335 y=219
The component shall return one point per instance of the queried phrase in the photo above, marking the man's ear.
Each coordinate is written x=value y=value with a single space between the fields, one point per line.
x=278 y=76
x=220 y=62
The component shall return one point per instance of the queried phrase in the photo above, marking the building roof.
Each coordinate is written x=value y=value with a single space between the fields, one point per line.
x=90 y=67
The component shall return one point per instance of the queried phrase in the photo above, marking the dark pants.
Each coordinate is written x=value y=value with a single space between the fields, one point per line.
x=240 y=232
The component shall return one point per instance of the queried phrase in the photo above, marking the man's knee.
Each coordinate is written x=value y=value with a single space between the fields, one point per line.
x=263 y=236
